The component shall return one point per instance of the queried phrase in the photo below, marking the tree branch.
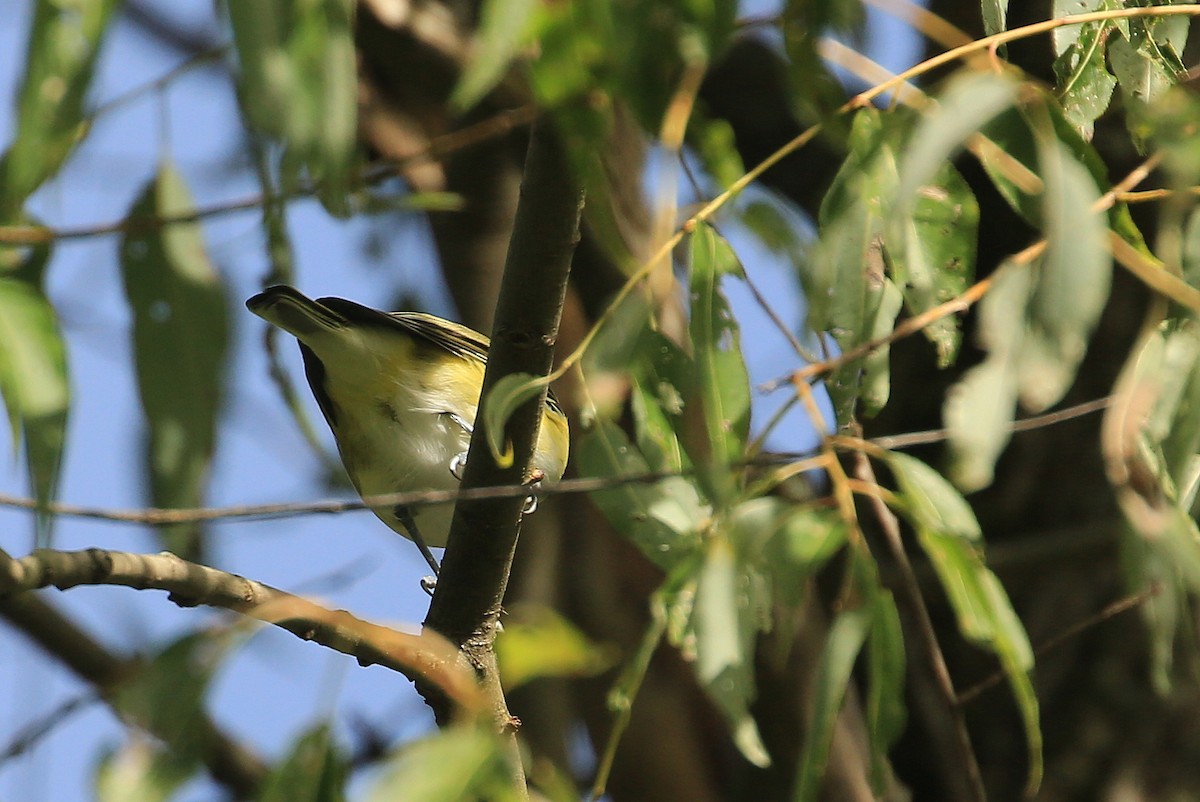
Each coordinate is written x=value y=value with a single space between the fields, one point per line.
x=230 y=763
x=483 y=536
x=426 y=657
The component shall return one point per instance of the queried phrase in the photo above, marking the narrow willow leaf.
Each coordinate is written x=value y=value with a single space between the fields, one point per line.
x=886 y=660
x=538 y=642
x=978 y=413
x=995 y=16
x=141 y=770
x=932 y=501
x=180 y=333
x=662 y=518
x=64 y=39
x=1072 y=284
x=936 y=261
x=724 y=624
x=723 y=384
x=964 y=108
x=315 y=770
x=458 y=763
x=299 y=87
x=34 y=379
x=845 y=640
x=876 y=371
x=1085 y=85
x=506 y=396
x=504 y=27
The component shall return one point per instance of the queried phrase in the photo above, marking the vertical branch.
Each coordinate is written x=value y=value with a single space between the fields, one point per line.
x=483 y=535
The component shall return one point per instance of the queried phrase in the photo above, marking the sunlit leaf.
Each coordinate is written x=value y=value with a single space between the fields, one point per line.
x=64 y=39
x=504 y=26
x=141 y=771
x=538 y=642
x=314 y=770
x=299 y=86
x=662 y=518
x=845 y=640
x=33 y=374
x=180 y=334
x=506 y=396
x=456 y=764
x=723 y=383
x=806 y=539
x=1085 y=85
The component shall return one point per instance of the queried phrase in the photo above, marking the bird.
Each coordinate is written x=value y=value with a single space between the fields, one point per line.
x=399 y=391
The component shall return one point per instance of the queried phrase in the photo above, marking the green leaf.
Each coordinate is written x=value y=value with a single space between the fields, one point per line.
x=458 y=763
x=885 y=710
x=506 y=396
x=936 y=261
x=504 y=27
x=64 y=39
x=815 y=93
x=180 y=335
x=141 y=771
x=805 y=541
x=33 y=375
x=299 y=86
x=978 y=413
x=725 y=621
x=314 y=771
x=995 y=16
x=949 y=535
x=931 y=501
x=1085 y=85
x=662 y=518
x=845 y=640
x=664 y=378
x=1072 y=280
x=722 y=380
x=538 y=642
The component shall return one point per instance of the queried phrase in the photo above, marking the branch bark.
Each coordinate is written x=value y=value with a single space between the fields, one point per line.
x=483 y=537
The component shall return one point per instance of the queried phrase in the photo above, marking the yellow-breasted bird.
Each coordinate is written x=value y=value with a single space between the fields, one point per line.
x=400 y=391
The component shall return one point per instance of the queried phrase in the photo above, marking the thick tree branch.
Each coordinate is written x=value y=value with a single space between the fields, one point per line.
x=230 y=763
x=426 y=657
x=484 y=533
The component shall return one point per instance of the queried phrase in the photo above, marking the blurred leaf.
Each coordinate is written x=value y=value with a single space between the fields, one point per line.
x=538 y=642
x=1072 y=281
x=664 y=377
x=1173 y=119
x=722 y=380
x=141 y=771
x=456 y=764
x=845 y=640
x=314 y=771
x=949 y=535
x=725 y=621
x=180 y=334
x=299 y=85
x=506 y=396
x=885 y=710
x=931 y=501
x=815 y=93
x=64 y=38
x=995 y=16
x=876 y=371
x=33 y=375
x=714 y=142
x=166 y=695
x=662 y=518
x=978 y=414
x=805 y=541
x=504 y=27
x=936 y=261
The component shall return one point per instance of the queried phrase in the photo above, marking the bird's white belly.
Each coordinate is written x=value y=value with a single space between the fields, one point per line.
x=380 y=464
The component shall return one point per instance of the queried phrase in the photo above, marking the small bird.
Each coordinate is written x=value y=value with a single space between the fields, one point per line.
x=400 y=391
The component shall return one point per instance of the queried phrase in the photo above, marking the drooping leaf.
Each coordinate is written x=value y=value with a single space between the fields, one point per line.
x=180 y=334
x=932 y=501
x=885 y=711
x=504 y=27
x=506 y=396
x=33 y=375
x=723 y=384
x=141 y=771
x=662 y=518
x=538 y=642
x=842 y=646
x=978 y=413
x=457 y=763
x=315 y=770
x=64 y=39
x=995 y=16
x=725 y=621
x=299 y=87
